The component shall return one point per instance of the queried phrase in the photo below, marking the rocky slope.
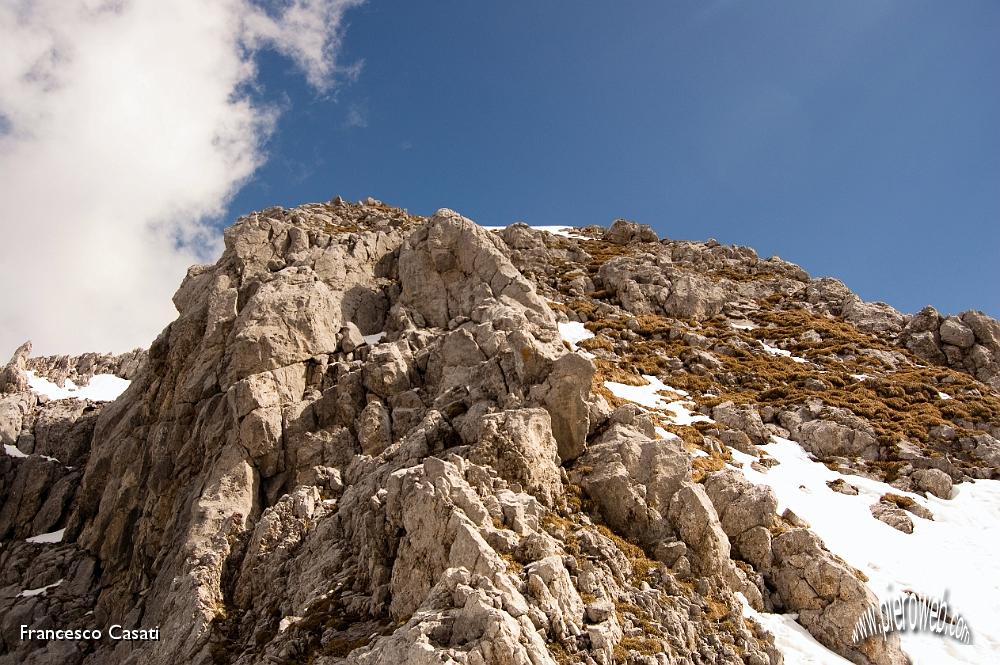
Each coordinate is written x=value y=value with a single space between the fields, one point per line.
x=371 y=437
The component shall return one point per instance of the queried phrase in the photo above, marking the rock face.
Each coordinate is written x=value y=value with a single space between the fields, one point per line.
x=969 y=342
x=364 y=440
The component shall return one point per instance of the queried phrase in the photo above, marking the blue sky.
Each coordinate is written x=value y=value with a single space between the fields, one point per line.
x=858 y=139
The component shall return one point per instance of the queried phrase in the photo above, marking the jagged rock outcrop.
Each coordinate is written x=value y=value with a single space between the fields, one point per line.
x=365 y=440
x=12 y=376
x=80 y=369
x=969 y=342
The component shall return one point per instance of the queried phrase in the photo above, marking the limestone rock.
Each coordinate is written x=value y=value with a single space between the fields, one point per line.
x=828 y=597
x=892 y=515
x=350 y=337
x=451 y=267
x=468 y=489
x=694 y=517
x=624 y=232
x=826 y=438
x=632 y=480
x=953 y=331
x=12 y=376
x=566 y=398
x=743 y=418
x=520 y=446
x=935 y=481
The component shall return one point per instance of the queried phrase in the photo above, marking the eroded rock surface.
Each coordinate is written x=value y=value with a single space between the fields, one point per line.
x=364 y=440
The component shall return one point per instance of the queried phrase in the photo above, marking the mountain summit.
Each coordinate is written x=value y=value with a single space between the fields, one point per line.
x=371 y=437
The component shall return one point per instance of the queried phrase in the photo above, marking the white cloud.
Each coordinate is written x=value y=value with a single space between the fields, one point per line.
x=124 y=128
x=357 y=117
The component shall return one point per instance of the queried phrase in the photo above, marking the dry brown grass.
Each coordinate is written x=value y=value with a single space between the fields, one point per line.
x=703 y=466
x=513 y=565
x=643 y=645
x=903 y=502
x=559 y=653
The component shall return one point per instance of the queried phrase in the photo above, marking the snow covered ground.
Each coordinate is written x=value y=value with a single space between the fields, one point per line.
x=101 y=388
x=13 y=451
x=954 y=553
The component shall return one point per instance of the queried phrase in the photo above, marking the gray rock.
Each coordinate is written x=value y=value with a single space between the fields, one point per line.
x=892 y=515
x=693 y=516
x=829 y=598
x=451 y=266
x=566 y=398
x=12 y=376
x=374 y=428
x=624 y=232
x=350 y=337
x=826 y=438
x=520 y=446
x=954 y=332
x=744 y=418
x=632 y=481
x=872 y=317
x=935 y=481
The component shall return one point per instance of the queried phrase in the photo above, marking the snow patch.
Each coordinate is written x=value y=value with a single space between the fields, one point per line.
x=101 y=388
x=286 y=622
x=649 y=396
x=955 y=552
x=28 y=593
x=743 y=324
x=373 y=339
x=574 y=332
x=942 y=395
x=51 y=537
x=664 y=434
x=775 y=351
x=554 y=229
x=13 y=451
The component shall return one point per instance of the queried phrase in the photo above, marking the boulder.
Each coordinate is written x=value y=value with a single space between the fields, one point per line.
x=694 y=518
x=567 y=401
x=935 y=481
x=825 y=438
x=625 y=232
x=450 y=266
x=350 y=337
x=892 y=515
x=872 y=317
x=12 y=377
x=829 y=598
x=632 y=479
x=956 y=333
x=744 y=418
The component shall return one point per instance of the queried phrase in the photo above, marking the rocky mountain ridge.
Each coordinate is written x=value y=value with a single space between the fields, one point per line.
x=367 y=439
